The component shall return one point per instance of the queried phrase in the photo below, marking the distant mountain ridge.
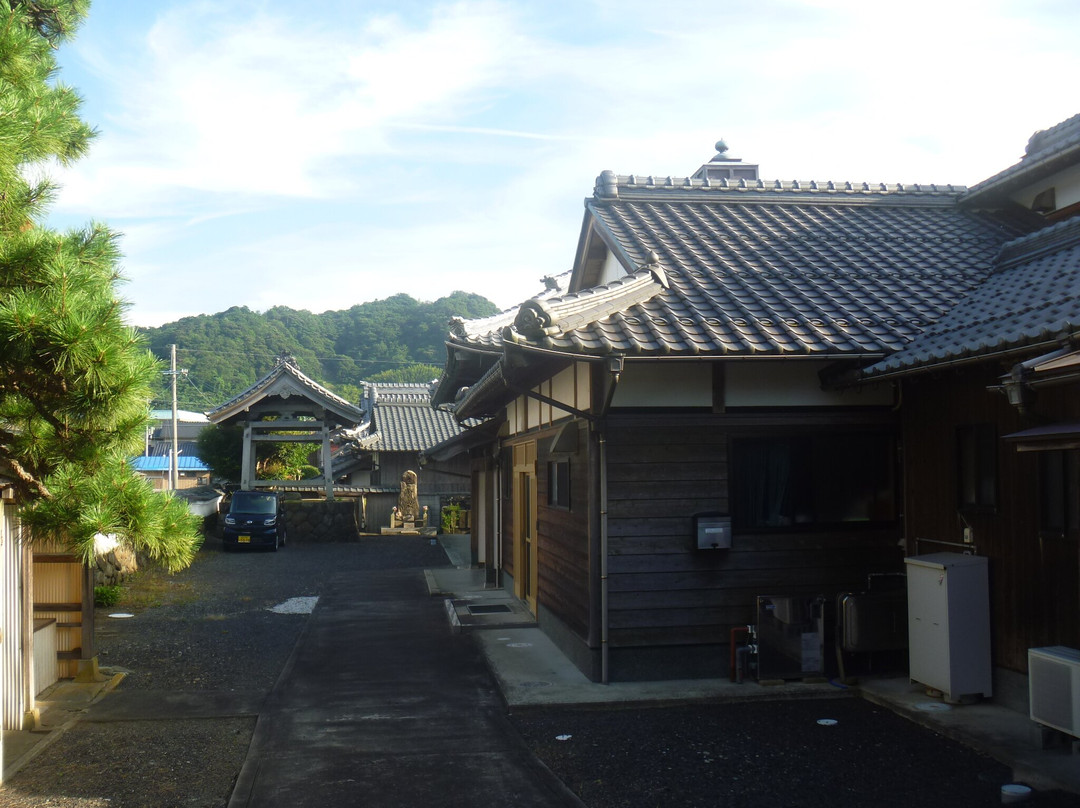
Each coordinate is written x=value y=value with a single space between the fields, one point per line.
x=383 y=340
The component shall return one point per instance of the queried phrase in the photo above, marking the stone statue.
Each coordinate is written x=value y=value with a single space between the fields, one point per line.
x=407 y=517
x=408 y=507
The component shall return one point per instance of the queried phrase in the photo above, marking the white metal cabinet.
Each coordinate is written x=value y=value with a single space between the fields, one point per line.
x=949 y=623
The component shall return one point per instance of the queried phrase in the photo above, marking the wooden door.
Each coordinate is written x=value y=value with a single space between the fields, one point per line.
x=525 y=539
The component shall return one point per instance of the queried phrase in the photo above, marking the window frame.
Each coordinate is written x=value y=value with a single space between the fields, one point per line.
x=977 y=489
x=558 y=495
x=808 y=451
x=1059 y=476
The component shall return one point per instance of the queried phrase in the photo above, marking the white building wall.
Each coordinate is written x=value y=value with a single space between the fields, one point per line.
x=1066 y=185
x=612 y=270
x=13 y=687
x=793 y=383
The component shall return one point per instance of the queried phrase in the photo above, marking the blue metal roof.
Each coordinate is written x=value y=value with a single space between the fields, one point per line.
x=161 y=463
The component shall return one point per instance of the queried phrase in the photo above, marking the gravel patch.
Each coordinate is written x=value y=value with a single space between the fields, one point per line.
x=764 y=755
x=136 y=764
x=221 y=626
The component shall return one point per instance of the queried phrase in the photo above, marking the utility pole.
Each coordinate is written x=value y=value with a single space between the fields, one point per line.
x=174 y=462
x=174 y=453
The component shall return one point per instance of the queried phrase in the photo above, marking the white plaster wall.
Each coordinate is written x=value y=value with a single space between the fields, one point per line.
x=1066 y=185
x=792 y=383
x=664 y=384
x=612 y=269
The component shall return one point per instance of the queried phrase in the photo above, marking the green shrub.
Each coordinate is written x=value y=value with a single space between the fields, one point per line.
x=106 y=595
x=449 y=519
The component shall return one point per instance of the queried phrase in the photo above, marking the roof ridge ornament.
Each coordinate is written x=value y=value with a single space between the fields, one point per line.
x=607 y=185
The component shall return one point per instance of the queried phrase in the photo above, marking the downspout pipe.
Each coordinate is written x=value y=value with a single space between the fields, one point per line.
x=604 y=674
x=615 y=366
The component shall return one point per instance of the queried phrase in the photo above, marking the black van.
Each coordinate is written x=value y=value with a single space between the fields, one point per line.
x=255 y=519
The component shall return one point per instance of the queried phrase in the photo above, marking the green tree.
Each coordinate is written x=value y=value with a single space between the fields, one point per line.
x=74 y=380
x=411 y=374
x=285 y=460
x=221 y=447
x=225 y=352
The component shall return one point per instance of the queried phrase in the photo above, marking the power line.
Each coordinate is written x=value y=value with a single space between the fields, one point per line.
x=433 y=363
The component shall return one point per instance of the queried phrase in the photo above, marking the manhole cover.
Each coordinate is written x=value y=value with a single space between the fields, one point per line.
x=490 y=608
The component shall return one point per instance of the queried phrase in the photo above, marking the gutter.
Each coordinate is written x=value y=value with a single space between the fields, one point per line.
x=956 y=362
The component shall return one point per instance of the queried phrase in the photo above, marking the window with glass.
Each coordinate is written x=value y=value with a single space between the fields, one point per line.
x=1059 y=493
x=976 y=465
x=813 y=481
x=559 y=483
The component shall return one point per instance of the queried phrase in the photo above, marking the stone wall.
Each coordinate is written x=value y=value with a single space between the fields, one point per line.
x=321 y=521
x=111 y=568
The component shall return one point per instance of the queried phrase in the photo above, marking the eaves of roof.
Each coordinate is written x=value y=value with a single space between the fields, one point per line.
x=1047 y=153
x=505 y=381
x=301 y=383
x=484 y=433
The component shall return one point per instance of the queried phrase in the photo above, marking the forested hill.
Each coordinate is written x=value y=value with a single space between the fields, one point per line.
x=396 y=339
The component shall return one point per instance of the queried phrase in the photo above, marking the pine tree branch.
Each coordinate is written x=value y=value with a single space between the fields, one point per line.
x=26 y=483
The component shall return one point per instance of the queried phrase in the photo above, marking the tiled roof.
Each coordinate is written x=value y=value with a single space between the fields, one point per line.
x=1033 y=298
x=551 y=315
x=399 y=393
x=765 y=268
x=286 y=371
x=487 y=331
x=188 y=448
x=412 y=427
x=1047 y=152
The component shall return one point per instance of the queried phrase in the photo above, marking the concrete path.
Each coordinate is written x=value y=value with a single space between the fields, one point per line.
x=382 y=705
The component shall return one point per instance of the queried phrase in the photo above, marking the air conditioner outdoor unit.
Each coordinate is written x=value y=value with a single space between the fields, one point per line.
x=1054 y=687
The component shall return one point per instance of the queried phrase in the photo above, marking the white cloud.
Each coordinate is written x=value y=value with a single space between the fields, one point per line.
x=267 y=106
x=262 y=154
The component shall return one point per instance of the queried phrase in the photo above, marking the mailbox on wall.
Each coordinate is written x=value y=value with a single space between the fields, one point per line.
x=712 y=531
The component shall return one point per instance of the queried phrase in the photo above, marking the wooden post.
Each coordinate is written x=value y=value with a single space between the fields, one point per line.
x=174 y=462
x=327 y=461
x=247 y=460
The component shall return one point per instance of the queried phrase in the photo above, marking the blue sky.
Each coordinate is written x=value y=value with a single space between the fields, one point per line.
x=321 y=155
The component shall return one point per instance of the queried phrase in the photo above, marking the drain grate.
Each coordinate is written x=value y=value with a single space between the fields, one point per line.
x=490 y=608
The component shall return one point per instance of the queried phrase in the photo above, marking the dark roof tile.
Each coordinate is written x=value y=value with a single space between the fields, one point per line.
x=1033 y=296
x=765 y=269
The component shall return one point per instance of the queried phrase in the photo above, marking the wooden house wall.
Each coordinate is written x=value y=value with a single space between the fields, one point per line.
x=449 y=478
x=665 y=467
x=563 y=586
x=563 y=535
x=1033 y=581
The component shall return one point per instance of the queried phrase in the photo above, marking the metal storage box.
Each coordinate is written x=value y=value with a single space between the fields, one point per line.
x=790 y=636
x=949 y=623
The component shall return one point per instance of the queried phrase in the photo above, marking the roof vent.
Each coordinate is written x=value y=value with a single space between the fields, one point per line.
x=723 y=167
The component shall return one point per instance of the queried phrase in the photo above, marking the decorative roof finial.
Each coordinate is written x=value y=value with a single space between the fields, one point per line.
x=721 y=155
